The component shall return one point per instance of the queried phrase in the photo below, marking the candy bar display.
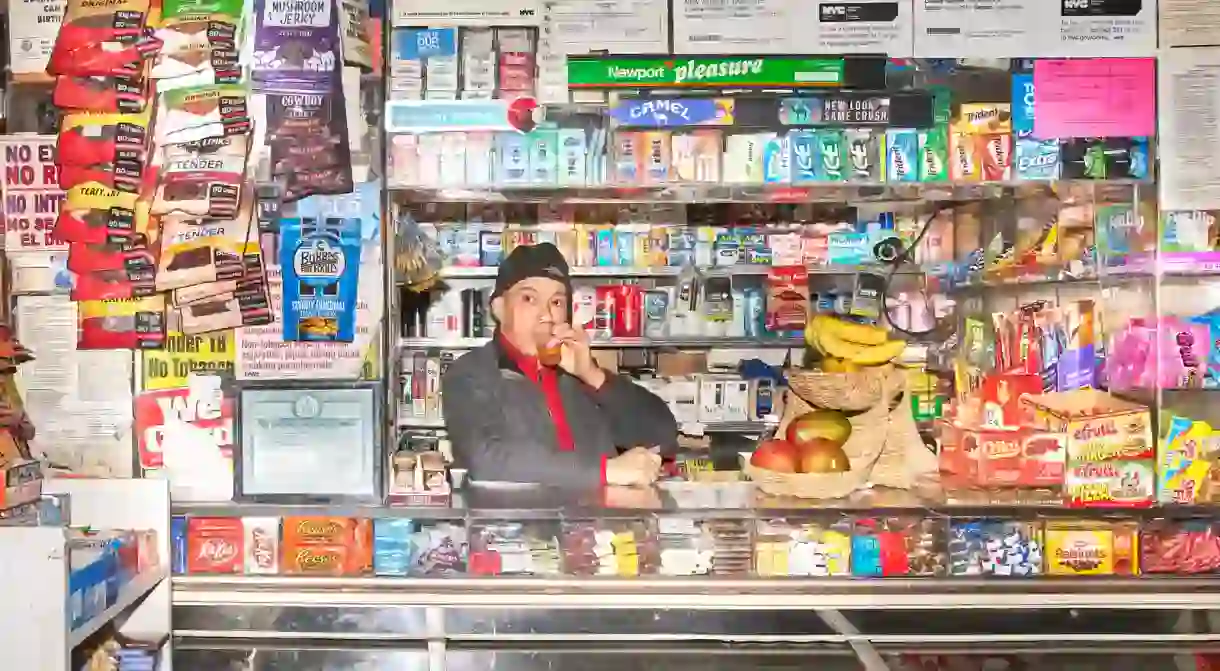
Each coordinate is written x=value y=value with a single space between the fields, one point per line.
x=608 y=547
x=995 y=548
x=513 y=548
x=794 y=547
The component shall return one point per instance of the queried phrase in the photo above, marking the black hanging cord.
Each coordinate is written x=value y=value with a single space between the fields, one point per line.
x=902 y=258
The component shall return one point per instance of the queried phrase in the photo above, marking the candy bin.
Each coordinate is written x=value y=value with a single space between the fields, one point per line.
x=899 y=546
x=615 y=547
x=1189 y=546
x=439 y=550
x=1092 y=548
x=514 y=548
x=803 y=547
x=990 y=547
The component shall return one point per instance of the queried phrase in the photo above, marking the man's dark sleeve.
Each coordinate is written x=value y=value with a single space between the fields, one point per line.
x=638 y=417
x=497 y=447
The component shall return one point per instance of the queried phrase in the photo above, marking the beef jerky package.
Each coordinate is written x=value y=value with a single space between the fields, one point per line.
x=354 y=35
x=320 y=258
x=197 y=67
x=97 y=214
x=121 y=95
x=135 y=259
x=296 y=45
x=202 y=178
x=131 y=323
x=124 y=176
x=197 y=113
x=87 y=139
x=310 y=151
x=189 y=25
x=249 y=305
x=109 y=284
x=89 y=23
x=252 y=271
x=198 y=251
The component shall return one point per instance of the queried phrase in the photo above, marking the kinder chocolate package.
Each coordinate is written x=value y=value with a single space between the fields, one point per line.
x=95 y=213
x=88 y=139
x=296 y=45
x=135 y=323
x=197 y=113
x=196 y=251
x=320 y=258
x=202 y=178
x=113 y=95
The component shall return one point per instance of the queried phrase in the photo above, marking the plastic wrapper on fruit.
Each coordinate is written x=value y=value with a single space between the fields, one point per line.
x=417 y=257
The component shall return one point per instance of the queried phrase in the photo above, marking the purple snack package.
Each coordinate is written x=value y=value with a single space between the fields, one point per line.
x=310 y=150
x=296 y=45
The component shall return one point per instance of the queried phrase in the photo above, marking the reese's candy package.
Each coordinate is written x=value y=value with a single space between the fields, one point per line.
x=129 y=323
x=122 y=95
x=196 y=113
x=202 y=178
x=87 y=139
x=98 y=214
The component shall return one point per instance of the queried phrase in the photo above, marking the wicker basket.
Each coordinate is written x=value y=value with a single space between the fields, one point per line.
x=884 y=448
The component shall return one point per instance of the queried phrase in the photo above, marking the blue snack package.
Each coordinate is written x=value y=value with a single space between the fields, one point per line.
x=1138 y=158
x=802 y=146
x=901 y=151
x=1037 y=159
x=177 y=545
x=866 y=555
x=392 y=545
x=320 y=257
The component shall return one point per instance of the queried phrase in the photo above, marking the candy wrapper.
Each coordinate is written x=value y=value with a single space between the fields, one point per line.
x=623 y=548
x=686 y=548
x=439 y=550
x=514 y=548
x=1179 y=547
x=790 y=547
x=1092 y=548
x=899 y=546
x=995 y=547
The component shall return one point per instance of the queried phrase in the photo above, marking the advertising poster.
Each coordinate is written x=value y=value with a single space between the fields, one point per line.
x=200 y=466
x=171 y=367
x=32 y=26
x=31 y=194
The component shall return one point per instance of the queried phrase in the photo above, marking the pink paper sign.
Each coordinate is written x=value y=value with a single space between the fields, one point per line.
x=1094 y=97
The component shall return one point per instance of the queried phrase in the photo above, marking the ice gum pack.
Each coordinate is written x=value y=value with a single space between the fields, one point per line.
x=901 y=155
x=295 y=44
x=202 y=178
x=197 y=113
x=136 y=323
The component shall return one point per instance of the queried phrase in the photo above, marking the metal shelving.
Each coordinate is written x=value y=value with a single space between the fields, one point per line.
x=614 y=343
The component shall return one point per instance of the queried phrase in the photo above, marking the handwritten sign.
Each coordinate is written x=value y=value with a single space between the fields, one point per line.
x=31 y=194
x=1095 y=97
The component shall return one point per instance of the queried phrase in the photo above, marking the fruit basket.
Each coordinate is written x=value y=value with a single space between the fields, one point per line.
x=860 y=415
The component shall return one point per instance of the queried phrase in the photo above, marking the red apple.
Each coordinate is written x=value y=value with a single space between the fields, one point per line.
x=776 y=455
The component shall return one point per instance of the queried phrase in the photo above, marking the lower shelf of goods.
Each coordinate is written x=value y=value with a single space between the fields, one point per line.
x=109 y=572
x=865 y=545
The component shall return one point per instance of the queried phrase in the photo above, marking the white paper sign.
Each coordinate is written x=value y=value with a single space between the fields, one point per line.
x=791 y=26
x=439 y=13
x=613 y=26
x=1033 y=28
x=1189 y=129
x=32 y=27
x=1189 y=23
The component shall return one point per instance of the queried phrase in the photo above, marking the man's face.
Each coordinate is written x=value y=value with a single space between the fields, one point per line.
x=529 y=311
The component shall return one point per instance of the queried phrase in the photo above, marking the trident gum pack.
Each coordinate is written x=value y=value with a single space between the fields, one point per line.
x=980 y=143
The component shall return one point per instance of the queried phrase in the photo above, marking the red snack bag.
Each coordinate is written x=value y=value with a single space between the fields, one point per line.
x=135 y=323
x=103 y=60
x=787 y=298
x=125 y=176
x=95 y=213
x=214 y=545
x=87 y=139
x=104 y=285
x=87 y=23
x=92 y=258
x=121 y=95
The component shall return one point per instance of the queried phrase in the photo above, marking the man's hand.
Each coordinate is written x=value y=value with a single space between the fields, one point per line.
x=636 y=467
x=578 y=356
x=636 y=498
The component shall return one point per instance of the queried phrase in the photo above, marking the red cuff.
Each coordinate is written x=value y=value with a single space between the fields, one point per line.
x=603 y=478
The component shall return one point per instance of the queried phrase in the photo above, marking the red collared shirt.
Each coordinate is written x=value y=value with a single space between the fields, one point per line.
x=547 y=380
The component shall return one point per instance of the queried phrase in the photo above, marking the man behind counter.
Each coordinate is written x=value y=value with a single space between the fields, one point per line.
x=533 y=406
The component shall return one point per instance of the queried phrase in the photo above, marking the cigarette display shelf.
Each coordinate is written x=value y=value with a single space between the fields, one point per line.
x=692 y=193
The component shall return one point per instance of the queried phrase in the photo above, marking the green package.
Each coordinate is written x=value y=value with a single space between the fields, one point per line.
x=934 y=154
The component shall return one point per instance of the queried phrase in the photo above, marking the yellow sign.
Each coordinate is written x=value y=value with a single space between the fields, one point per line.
x=169 y=368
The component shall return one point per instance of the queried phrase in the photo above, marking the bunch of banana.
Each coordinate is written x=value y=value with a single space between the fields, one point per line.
x=847 y=346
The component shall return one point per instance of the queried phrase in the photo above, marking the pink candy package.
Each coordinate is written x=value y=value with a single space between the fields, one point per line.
x=1182 y=349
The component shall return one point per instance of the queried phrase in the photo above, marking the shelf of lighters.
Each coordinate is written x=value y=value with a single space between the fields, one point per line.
x=872 y=544
x=692 y=193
